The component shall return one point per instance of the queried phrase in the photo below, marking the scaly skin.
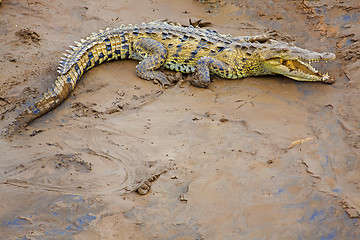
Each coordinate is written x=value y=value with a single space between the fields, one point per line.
x=184 y=49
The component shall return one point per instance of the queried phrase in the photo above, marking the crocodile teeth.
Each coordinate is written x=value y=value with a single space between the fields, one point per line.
x=309 y=66
x=70 y=52
x=73 y=48
x=82 y=40
x=78 y=44
x=67 y=55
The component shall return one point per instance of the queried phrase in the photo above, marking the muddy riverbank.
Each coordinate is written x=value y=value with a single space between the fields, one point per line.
x=234 y=163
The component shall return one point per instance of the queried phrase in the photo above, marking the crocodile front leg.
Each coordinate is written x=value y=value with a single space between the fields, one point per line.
x=152 y=55
x=204 y=66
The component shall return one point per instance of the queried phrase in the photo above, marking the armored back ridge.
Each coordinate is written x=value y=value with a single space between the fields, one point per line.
x=184 y=49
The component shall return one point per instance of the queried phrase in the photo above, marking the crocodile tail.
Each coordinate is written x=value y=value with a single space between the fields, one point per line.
x=107 y=45
x=52 y=98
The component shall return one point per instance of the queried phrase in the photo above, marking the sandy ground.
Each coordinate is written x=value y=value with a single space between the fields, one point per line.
x=233 y=167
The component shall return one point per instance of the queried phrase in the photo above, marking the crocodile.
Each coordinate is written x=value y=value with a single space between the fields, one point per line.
x=162 y=44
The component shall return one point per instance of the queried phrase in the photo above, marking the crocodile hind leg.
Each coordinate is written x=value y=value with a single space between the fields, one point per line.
x=152 y=55
x=204 y=66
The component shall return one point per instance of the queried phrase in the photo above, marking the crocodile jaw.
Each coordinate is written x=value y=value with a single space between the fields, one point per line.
x=297 y=69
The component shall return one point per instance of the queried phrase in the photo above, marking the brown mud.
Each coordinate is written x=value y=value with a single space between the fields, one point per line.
x=255 y=158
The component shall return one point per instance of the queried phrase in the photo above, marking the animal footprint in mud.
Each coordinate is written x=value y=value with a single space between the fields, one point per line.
x=28 y=36
x=84 y=110
x=79 y=165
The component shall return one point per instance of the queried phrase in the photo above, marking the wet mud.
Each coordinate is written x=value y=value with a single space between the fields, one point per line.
x=254 y=158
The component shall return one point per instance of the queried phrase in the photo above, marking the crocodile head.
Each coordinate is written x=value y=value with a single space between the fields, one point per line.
x=294 y=62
